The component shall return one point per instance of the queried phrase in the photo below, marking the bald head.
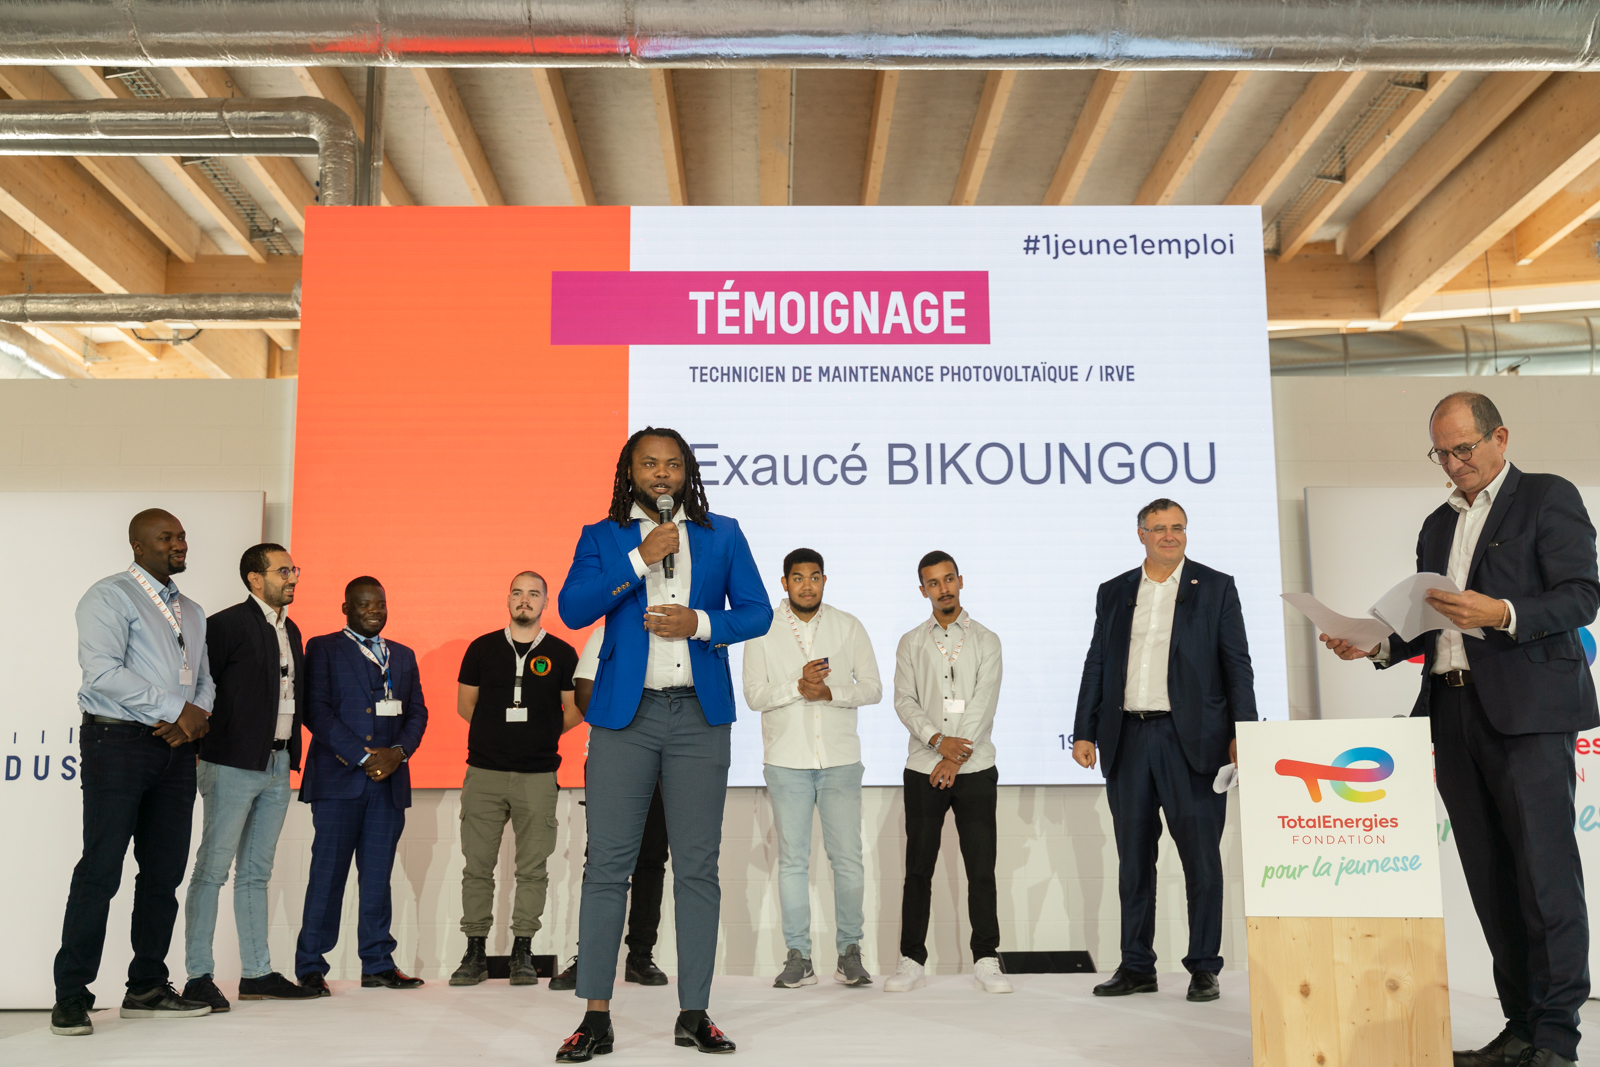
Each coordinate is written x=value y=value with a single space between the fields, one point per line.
x=159 y=543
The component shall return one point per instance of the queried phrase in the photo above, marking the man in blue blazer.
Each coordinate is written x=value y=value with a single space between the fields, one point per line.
x=1167 y=676
x=674 y=598
x=1506 y=709
x=366 y=716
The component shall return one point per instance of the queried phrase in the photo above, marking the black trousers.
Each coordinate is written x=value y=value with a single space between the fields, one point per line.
x=1153 y=777
x=136 y=788
x=972 y=797
x=649 y=878
x=1510 y=799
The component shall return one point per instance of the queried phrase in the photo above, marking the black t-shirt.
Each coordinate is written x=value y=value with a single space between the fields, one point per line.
x=528 y=747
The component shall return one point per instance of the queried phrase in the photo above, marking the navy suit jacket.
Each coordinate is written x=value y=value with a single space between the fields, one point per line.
x=243 y=648
x=343 y=688
x=723 y=583
x=1210 y=683
x=1537 y=550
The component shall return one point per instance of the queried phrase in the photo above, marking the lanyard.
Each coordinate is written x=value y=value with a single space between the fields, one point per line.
x=382 y=664
x=173 y=615
x=949 y=657
x=522 y=660
x=799 y=636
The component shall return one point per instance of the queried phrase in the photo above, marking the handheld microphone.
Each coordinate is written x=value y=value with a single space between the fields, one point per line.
x=664 y=507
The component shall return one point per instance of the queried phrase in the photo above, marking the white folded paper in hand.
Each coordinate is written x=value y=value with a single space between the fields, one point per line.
x=1364 y=633
x=1405 y=607
x=1226 y=779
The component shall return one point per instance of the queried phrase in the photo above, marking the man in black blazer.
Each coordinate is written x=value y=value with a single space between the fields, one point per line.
x=1506 y=709
x=1167 y=675
x=257 y=661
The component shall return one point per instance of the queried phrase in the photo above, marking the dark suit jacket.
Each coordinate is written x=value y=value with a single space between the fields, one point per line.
x=1537 y=550
x=1209 y=679
x=343 y=688
x=244 y=663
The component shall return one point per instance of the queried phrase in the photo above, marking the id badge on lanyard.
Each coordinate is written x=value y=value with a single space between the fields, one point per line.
x=174 y=617
x=516 y=712
x=388 y=707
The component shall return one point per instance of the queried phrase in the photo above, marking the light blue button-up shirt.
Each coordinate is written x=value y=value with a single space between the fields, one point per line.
x=130 y=656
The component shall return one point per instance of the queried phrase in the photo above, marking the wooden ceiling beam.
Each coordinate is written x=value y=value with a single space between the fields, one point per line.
x=884 y=86
x=1569 y=261
x=1207 y=108
x=1093 y=122
x=552 y=91
x=1305 y=121
x=666 y=98
x=1558 y=217
x=328 y=84
x=229 y=353
x=997 y=86
x=439 y=90
x=68 y=214
x=774 y=134
x=46 y=273
x=1479 y=115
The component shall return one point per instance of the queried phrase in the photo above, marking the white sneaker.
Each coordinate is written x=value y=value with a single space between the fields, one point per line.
x=987 y=977
x=910 y=975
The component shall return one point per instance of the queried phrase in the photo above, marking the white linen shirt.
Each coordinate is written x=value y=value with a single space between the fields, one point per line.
x=924 y=679
x=801 y=733
x=1149 y=642
x=279 y=619
x=668 y=665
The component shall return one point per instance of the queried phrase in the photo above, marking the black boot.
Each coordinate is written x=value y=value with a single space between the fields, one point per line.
x=521 y=964
x=474 y=965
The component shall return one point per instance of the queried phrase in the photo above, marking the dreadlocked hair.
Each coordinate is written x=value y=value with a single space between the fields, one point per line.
x=694 y=492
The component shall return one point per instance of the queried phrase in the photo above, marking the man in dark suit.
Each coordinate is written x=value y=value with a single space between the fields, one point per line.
x=1167 y=676
x=662 y=710
x=1505 y=711
x=258 y=664
x=365 y=712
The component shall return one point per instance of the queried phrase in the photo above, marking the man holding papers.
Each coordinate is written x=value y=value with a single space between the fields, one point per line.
x=1506 y=709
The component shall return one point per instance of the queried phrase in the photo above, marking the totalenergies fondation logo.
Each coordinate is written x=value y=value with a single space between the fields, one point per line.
x=1341 y=772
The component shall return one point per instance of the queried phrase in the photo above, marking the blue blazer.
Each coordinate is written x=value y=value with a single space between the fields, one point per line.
x=1537 y=550
x=1210 y=682
x=342 y=691
x=723 y=583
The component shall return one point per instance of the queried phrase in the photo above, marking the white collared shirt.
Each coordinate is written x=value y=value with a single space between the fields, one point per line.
x=1450 y=654
x=279 y=621
x=924 y=678
x=1149 y=642
x=668 y=665
x=802 y=733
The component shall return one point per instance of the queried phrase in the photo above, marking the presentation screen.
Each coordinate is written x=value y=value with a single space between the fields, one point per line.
x=1009 y=385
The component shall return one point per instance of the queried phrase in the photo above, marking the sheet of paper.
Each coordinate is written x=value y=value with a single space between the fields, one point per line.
x=1227 y=778
x=1405 y=607
x=1363 y=632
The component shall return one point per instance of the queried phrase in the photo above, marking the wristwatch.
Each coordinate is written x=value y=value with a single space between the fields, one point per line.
x=935 y=741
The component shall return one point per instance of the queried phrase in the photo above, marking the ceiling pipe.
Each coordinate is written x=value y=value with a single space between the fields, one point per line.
x=137 y=309
x=1118 y=34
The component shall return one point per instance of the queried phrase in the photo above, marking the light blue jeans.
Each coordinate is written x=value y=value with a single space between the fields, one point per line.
x=244 y=813
x=836 y=793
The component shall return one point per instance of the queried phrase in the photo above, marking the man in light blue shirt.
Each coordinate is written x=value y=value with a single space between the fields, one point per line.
x=145 y=699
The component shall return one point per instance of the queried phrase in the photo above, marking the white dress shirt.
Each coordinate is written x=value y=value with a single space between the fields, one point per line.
x=1146 y=686
x=925 y=678
x=589 y=659
x=668 y=665
x=801 y=733
x=279 y=620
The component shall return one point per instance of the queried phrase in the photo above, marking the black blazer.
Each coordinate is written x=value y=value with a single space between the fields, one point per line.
x=1209 y=679
x=244 y=663
x=1537 y=550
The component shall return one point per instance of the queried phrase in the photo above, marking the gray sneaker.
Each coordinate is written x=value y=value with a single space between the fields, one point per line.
x=850 y=971
x=796 y=972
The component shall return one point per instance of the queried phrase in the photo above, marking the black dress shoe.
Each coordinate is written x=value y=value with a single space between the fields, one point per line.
x=1124 y=982
x=1504 y=1051
x=1543 y=1057
x=1204 y=986
x=70 y=1017
x=204 y=990
x=317 y=981
x=640 y=968
x=567 y=979
x=275 y=986
x=584 y=1045
x=393 y=978
x=162 y=1002
x=705 y=1037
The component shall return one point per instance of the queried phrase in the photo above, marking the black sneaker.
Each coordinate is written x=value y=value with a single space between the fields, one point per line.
x=641 y=969
x=520 y=966
x=70 y=1016
x=162 y=1002
x=317 y=981
x=567 y=979
x=204 y=990
x=274 y=986
x=474 y=964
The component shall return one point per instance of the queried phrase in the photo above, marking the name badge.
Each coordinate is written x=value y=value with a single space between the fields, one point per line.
x=286 y=706
x=185 y=676
x=954 y=708
x=389 y=707
x=516 y=715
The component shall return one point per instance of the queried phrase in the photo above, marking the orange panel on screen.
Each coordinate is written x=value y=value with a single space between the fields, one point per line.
x=441 y=444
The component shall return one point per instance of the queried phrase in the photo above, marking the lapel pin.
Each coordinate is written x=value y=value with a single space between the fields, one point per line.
x=1194 y=581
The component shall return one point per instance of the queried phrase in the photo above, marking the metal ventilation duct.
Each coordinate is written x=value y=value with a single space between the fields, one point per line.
x=1242 y=34
x=136 y=309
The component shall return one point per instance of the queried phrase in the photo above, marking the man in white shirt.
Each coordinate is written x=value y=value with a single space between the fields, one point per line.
x=807 y=677
x=946 y=684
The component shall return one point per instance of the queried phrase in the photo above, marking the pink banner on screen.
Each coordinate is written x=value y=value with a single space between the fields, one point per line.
x=769 y=308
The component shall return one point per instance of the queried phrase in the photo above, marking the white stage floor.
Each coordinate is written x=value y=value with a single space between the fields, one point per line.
x=1050 y=1019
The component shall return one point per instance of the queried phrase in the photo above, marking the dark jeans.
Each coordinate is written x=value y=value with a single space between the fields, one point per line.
x=973 y=799
x=135 y=787
x=1510 y=799
x=649 y=876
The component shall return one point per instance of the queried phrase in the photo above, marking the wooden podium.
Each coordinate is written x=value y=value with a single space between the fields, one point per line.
x=1345 y=917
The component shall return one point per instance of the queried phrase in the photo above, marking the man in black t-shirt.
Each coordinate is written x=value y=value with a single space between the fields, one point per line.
x=516 y=692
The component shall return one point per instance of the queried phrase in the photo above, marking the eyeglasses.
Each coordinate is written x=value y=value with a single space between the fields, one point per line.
x=284 y=573
x=1462 y=453
x=1162 y=531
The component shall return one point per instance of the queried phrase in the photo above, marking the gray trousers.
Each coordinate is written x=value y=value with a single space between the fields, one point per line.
x=670 y=741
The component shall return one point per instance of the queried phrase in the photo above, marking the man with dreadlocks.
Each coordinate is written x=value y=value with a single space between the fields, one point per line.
x=674 y=598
